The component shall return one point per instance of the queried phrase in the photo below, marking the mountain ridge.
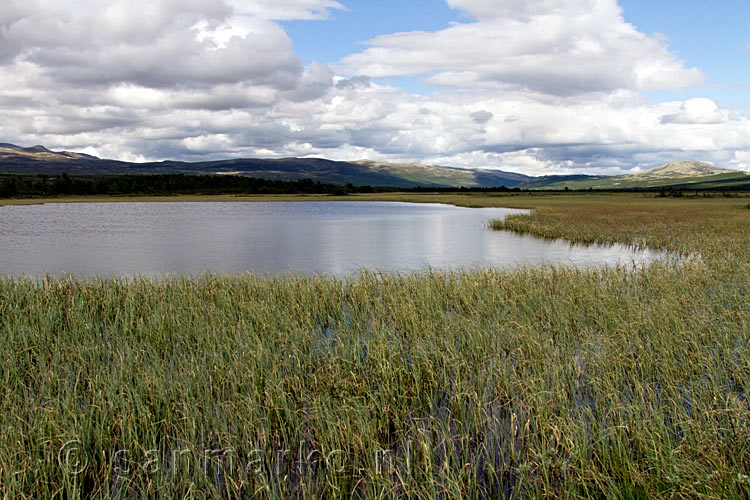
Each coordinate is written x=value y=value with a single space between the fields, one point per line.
x=18 y=160
x=39 y=152
x=678 y=169
x=684 y=174
x=679 y=174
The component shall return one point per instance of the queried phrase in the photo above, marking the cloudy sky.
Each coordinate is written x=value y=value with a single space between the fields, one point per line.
x=531 y=86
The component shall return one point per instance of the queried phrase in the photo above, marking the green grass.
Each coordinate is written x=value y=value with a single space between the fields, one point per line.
x=537 y=383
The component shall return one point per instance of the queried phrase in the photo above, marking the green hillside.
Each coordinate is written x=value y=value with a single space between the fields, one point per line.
x=681 y=175
x=39 y=160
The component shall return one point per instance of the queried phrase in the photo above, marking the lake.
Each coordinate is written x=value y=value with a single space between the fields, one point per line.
x=332 y=238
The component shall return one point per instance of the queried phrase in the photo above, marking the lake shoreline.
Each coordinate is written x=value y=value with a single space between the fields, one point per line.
x=470 y=200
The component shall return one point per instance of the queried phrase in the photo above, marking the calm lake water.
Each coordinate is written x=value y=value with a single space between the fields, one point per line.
x=333 y=238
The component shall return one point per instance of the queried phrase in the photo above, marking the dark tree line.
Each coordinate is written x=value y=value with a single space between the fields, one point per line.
x=172 y=184
x=62 y=185
x=41 y=185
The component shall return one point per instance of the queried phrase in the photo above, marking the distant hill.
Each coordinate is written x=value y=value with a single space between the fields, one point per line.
x=39 y=153
x=684 y=174
x=681 y=169
x=426 y=175
x=40 y=160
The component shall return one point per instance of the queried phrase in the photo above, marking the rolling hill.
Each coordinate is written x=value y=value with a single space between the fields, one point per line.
x=681 y=169
x=679 y=175
x=40 y=160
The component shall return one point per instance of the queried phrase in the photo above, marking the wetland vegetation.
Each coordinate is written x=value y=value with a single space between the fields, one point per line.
x=535 y=383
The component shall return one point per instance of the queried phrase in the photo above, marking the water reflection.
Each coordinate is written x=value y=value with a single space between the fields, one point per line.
x=336 y=238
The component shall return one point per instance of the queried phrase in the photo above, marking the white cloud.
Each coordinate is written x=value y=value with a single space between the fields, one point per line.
x=541 y=87
x=560 y=47
x=740 y=160
x=521 y=9
x=287 y=9
x=698 y=111
x=315 y=82
x=167 y=53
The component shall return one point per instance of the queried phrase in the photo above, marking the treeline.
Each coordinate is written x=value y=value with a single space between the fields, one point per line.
x=42 y=185
x=171 y=184
x=39 y=185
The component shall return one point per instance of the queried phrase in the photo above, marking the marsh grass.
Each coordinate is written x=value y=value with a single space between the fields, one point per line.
x=536 y=383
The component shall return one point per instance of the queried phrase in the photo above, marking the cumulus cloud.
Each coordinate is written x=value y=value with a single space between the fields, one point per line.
x=698 y=111
x=287 y=9
x=156 y=44
x=519 y=9
x=551 y=86
x=560 y=47
x=314 y=83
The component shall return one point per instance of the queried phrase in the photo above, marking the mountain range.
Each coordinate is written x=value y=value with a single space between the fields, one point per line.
x=687 y=174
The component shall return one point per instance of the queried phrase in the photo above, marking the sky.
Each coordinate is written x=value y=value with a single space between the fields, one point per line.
x=537 y=87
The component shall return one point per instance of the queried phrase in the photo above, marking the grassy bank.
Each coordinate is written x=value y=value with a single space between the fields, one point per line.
x=531 y=384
